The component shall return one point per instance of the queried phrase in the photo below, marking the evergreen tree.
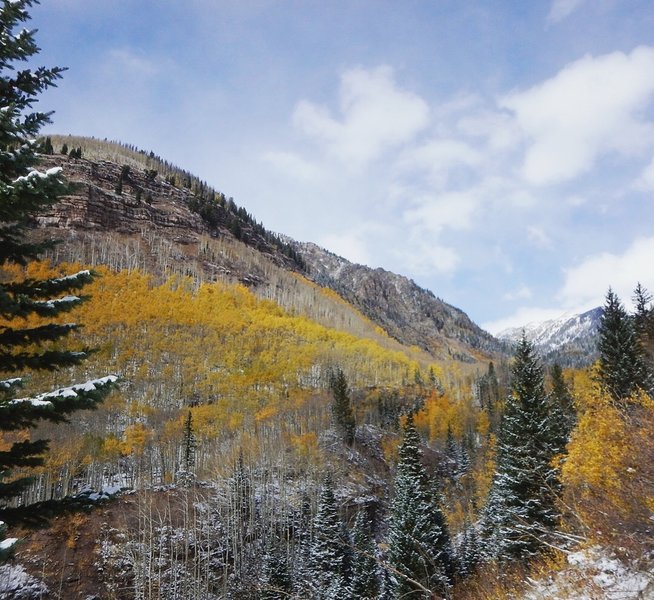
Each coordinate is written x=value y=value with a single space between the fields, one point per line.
x=366 y=581
x=277 y=583
x=341 y=407
x=329 y=553
x=468 y=551
x=622 y=368
x=47 y=146
x=644 y=322
x=188 y=460
x=420 y=549
x=521 y=504
x=562 y=408
x=24 y=191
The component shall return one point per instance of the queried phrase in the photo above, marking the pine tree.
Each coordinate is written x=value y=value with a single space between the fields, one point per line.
x=329 y=553
x=622 y=369
x=562 y=408
x=341 y=407
x=468 y=551
x=366 y=581
x=186 y=475
x=644 y=322
x=24 y=191
x=277 y=583
x=520 y=508
x=420 y=550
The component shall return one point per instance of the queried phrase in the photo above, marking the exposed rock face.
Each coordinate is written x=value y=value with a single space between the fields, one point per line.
x=93 y=204
x=409 y=313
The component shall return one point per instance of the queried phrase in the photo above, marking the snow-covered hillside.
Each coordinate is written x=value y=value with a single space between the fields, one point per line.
x=570 y=339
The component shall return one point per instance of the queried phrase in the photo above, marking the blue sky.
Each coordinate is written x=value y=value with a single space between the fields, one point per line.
x=500 y=153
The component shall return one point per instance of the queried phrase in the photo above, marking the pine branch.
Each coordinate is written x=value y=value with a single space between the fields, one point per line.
x=50 y=360
x=44 y=333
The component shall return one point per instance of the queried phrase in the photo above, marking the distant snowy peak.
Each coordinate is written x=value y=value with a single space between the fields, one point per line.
x=569 y=339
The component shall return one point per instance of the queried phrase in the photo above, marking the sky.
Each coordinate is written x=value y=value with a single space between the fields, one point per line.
x=499 y=153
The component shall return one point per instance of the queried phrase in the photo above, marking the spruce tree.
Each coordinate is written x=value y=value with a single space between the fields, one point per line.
x=341 y=407
x=420 y=550
x=329 y=552
x=366 y=580
x=644 y=324
x=622 y=369
x=521 y=507
x=24 y=191
x=562 y=408
x=277 y=583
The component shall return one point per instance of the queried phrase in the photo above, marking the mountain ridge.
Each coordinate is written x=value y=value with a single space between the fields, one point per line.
x=569 y=339
x=136 y=210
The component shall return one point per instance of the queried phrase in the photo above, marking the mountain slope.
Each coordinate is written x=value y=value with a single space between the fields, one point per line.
x=408 y=312
x=130 y=209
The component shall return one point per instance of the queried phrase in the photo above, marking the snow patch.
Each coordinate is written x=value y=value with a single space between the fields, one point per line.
x=593 y=574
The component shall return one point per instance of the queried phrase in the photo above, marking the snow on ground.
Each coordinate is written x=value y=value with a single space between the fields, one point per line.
x=593 y=574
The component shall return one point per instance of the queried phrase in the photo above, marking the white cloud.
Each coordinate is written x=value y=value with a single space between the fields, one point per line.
x=126 y=61
x=561 y=9
x=646 y=180
x=293 y=165
x=439 y=158
x=375 y=115
x=452 y=210
x=538 y=236
x=498 y=128
x=586 y=284
x=349 y=245
x=424 y=257
x=592 y=107
x=521 y=293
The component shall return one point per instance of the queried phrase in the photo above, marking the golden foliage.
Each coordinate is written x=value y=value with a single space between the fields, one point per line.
x=609 y=471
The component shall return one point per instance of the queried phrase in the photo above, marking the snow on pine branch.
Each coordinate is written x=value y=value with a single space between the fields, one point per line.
x=9 y=383
x=58 y=280
x=58 y=302
x=36 y=175
x=72 y=391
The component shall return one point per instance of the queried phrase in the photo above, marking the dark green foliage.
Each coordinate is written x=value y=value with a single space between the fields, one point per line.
x=622 y=368
x=277 y=583
x=341 y=407
x=64 y=149
x=644 y=323
x=366 y=580
x=188 y=460
x=420 y=549
x=23 y=193
x=562 y=408
x=329 y=554
x=241 y=493
x=47 y=146
x=521 y=507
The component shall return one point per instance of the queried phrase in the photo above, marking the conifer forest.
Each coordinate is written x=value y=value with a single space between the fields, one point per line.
x=197 y=415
